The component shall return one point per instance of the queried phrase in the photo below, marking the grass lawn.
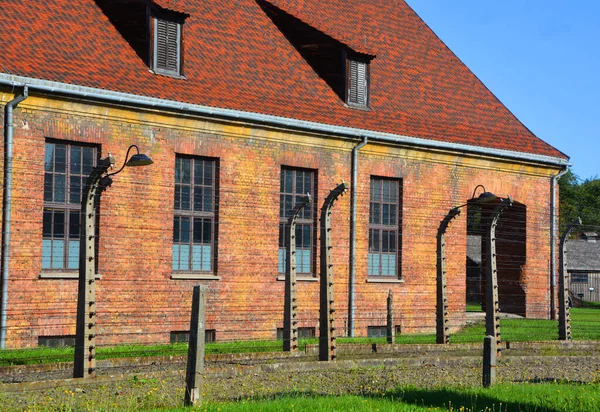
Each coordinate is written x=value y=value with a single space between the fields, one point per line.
x=585 y=325
x=527 y=397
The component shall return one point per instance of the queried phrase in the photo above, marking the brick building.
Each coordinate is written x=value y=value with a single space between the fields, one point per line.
x=244 y=105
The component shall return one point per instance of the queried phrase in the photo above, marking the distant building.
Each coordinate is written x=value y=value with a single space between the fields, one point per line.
x=583 y=267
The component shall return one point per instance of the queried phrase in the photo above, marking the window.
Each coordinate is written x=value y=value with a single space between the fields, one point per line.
x=56 y=341
x=167 y=47
x=303 y=333
x=67 y=167
x=357 y=82
x=294 y=185
x=385 y=228
x=376 y=331
x=183 y=336
x=194 y=222
x=579 y=278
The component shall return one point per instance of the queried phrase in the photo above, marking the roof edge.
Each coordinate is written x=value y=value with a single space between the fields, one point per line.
x=144 y=101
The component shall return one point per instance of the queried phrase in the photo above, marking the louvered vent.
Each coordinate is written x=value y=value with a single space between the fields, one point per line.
x=167 y=46
x=357 y=83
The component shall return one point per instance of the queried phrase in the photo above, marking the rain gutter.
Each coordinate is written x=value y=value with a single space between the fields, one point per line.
x=352 y=276
x=553 y=236
x=46 y=86
x=6 y=208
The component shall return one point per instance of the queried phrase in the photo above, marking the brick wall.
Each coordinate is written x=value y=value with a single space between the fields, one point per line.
x=137 y=299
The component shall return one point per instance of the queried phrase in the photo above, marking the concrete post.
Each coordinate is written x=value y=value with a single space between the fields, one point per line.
x=492 y=306
x=489 y=361
x=195 y=362
x=327 y=345
x=442 y=307
x=391 y=332
x=564 y=315
x=290 y=312
x=85 y=334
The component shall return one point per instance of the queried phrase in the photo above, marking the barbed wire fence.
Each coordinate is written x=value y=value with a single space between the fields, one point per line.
x=140 y=302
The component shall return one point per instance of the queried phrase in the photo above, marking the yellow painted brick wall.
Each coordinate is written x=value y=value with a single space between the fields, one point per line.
x=138 y=301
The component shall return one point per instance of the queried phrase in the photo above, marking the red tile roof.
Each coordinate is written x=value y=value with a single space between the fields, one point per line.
x=236 y=58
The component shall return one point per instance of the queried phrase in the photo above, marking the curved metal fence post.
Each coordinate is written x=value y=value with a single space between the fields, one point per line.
x=290 y=313
x=84 y=365
x=442 y=312
x=327 y=346
x=492 y=306
x=564 y=315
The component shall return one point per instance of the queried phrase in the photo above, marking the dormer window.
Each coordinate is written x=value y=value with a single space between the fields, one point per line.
x=357 y=81
x=167 y=47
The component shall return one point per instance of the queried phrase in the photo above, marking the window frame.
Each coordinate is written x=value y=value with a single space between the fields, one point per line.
x=351 y=58
x=381 y=227
x=66 y=206
x=192 y=215
x=301 y=221
x=156 y=20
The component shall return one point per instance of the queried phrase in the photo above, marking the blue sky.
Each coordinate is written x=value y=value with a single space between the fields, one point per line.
x=540 y=58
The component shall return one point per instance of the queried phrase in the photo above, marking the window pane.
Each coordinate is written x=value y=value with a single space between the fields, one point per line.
x=177 y=197
x=58 y=254
x=298 y=235
x=88 y=160
x=198 y=230
x=377 y=190
x=208 y=199
x=377 y=213
x=76 y=159
x=185 y=170
x=288 y=206
x=207 y=231
x=74 y=225
x=393 y=215
x=289 y=179
x=185 y=198
x=49 y=158
x=178 y=171
x=198 y=168
x=73 y=262
x=59 y=188
x=60 y=158
x=307 y=235
x=208 y=173
x=184 y=232
x=59 y=224
x=198 y=203
x=282 y=235
x=176 y=229
x=299 y=182
x=384 y=240
x=75 y=190
x=48 y=187
x=47 y=225
x=393 y=241
x=308 y=180
x=375 y=243
x=386 y=214
x=386 y=191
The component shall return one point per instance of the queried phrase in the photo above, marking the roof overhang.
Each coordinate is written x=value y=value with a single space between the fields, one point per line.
x=84 y=92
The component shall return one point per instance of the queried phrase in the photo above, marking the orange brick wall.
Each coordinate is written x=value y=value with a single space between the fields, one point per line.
x=138 y=301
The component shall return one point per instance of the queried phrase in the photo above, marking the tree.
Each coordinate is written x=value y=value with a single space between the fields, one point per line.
x=579 y=200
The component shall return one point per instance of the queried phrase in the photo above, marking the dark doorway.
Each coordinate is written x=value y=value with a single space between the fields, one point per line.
x=511 y=256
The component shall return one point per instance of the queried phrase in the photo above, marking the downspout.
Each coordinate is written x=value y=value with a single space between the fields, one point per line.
x=352 y=277
x=553 y=207
x=6 y=207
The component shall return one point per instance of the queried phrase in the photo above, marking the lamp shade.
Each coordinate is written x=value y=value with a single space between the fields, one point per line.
x=486 y=197
x=139 y=159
